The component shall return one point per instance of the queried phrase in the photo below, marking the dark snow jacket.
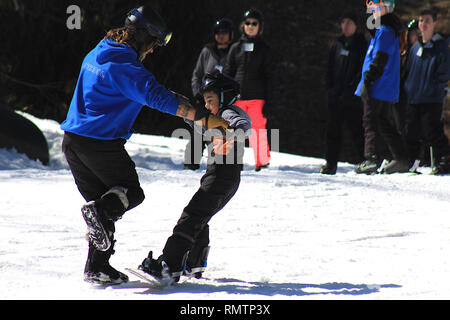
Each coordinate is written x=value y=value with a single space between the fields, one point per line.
x=250 y=63
x=210 y=59
x=344 y=67
x=428 y=69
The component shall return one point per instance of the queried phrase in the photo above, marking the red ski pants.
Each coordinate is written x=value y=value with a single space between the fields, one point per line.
x=258 y=140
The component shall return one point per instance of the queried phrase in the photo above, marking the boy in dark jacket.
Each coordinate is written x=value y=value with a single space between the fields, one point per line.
x=112 y=88
x=187 y=249
x=379 y=90
x=428 y=70
x=343 y=74
x=212 y=57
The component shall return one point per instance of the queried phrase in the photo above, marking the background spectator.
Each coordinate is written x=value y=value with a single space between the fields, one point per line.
x=212 y=57
x=379 y=89
x=250 y=63
x=428 y=70
x=342 y=77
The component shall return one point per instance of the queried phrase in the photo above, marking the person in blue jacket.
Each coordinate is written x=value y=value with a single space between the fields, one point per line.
x=379 y=89
x=112 y=87
x=428 y=70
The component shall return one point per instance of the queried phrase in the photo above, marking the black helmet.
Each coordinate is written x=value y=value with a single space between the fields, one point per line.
x=146 y=18
x=224 y=86
x=255 y=14
x=223 y=24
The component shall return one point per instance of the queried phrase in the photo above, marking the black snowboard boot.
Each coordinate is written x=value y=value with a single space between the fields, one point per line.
x=100 y=214
x=98 y=270
x=159 y=269
x=196 y=262
x=97 y=222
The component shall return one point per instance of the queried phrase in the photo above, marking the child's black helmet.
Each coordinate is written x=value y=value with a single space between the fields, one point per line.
x=224 y=86
x=149 y=20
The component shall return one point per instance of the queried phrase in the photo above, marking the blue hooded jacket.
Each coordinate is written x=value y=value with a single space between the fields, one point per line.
x=112 y=88
x=428 y=70
x=386 y=40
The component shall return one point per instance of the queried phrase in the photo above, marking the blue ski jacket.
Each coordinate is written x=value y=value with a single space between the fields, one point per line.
x=428 y=69
x=386 y=88
x=112 y=88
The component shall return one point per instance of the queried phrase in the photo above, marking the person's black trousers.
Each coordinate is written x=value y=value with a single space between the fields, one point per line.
x=191 y=233
x=339 y=114
x=424 y=121
x=379 y=120
x=99 y=165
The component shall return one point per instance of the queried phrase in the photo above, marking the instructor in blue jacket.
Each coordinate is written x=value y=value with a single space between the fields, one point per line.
x=112 y=87
x=379 y=89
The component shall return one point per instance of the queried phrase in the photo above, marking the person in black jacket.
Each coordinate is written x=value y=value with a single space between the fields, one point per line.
x=212 y=57
x=343 y=74
x=250 y=63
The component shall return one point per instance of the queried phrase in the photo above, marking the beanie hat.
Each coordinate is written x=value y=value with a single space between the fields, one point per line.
x=350 y=15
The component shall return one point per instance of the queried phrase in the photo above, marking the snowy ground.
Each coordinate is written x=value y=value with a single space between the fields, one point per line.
x=289 y=233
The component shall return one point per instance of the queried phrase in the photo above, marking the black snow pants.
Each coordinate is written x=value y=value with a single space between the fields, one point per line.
x=424 y=120
x=191 y=233
x=99 y=165
x=350 y=113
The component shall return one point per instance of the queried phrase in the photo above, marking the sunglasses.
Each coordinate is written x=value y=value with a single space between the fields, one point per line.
x=247 y=23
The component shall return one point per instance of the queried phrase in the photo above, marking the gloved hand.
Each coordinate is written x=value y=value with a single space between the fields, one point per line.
x=210 y=121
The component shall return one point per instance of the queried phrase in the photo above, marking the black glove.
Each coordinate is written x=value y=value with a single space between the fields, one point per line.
x=376 y=70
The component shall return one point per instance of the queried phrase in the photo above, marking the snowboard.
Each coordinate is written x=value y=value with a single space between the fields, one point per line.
x=154 y=282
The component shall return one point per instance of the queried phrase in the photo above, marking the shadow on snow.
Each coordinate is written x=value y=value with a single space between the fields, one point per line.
x=234 y=286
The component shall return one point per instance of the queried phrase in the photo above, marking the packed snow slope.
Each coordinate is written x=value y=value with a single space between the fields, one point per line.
x=289 y=232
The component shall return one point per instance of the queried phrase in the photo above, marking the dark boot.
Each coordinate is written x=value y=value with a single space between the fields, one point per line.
x=100 y=214
x=368 y=166
x=442 y=166
x=98 y=270
x=397 y=166
x=196 y=262
x=329 y=168
x=264 y=166
x=159 y=269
